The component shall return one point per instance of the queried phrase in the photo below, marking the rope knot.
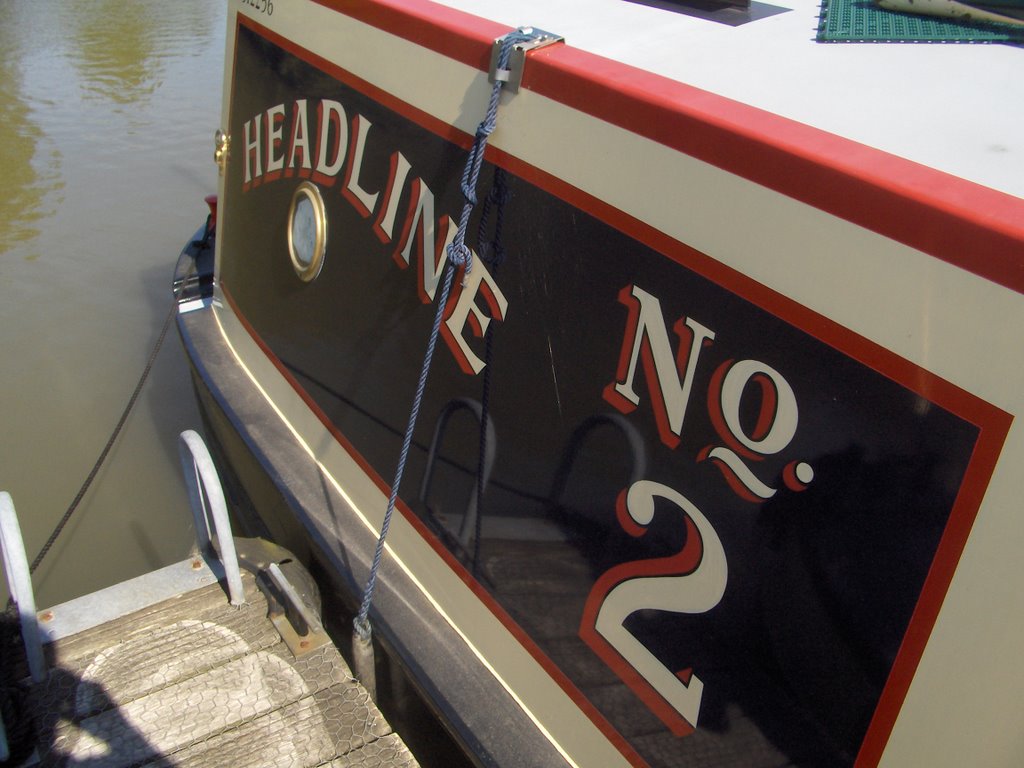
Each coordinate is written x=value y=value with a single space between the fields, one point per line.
x=362 y=627
x=459 y=254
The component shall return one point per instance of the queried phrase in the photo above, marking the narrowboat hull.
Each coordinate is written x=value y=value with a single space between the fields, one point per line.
x=716 y=452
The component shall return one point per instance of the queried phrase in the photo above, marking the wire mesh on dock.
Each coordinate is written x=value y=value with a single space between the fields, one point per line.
x=194 y=681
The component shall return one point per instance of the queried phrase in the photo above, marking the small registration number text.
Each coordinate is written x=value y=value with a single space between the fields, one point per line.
x=263 y=6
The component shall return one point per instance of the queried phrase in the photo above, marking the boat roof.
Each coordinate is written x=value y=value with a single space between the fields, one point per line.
x=956 y=108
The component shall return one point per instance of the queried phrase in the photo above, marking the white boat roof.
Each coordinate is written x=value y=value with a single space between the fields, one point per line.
x=957 y=108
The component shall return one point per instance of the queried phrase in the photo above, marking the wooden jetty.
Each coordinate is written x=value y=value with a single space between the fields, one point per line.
x=165 y=670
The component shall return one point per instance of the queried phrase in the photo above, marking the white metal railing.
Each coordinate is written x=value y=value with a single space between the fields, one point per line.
x=201 y=475
x=19 y=581
x=207 y=502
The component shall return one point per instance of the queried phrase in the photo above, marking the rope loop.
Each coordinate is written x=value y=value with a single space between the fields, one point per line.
x=492 y=250
x=460 y=254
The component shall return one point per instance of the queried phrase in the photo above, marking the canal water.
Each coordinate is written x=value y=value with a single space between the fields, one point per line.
x=107 y=116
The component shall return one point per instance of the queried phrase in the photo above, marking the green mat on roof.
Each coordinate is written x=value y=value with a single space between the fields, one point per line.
x=861 y=21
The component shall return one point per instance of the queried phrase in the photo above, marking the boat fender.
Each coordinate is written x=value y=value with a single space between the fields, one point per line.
x=364 y=662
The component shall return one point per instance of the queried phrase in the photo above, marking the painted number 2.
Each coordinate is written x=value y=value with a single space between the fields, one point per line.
x=691 y=581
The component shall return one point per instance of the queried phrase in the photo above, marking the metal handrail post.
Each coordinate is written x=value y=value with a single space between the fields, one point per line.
x=200 y=475
x=19 y=582
x=440 y=426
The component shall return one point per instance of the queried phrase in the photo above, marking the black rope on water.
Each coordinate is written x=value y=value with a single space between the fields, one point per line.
x=106 y=449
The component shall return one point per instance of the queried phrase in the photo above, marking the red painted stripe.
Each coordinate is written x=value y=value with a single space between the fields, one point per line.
x=418 y=116
x=963 y=223
x=996 y=425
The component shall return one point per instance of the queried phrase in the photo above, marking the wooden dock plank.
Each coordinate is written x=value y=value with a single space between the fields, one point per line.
x=76 y=652
x=308 y=732
x=194 y=681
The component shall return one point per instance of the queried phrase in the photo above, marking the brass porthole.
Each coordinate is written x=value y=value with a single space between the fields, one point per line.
x=307 y=231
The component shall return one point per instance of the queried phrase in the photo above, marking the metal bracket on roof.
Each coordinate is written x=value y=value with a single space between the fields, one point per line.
x=513 y=75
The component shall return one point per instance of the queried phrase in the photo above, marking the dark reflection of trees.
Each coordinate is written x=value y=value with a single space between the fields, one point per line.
x=121 y=49
x=27 y=178
x=119 y=53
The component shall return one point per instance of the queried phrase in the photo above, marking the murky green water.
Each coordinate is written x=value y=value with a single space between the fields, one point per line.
x=107 y=116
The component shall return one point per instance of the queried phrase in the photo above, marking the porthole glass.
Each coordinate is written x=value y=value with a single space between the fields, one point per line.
x=307 y=231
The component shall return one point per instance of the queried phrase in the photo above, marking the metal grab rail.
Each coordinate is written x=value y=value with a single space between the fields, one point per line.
x=19 y=581
x=635 y=443
x=468 y=526
x=200 y=475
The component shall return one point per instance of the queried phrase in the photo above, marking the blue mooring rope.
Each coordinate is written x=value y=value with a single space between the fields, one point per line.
x=459 y=255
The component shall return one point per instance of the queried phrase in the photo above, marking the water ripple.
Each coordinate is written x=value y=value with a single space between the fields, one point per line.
x=82 y=80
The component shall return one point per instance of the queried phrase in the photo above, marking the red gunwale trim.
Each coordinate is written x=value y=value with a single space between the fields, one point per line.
x=965 y=224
